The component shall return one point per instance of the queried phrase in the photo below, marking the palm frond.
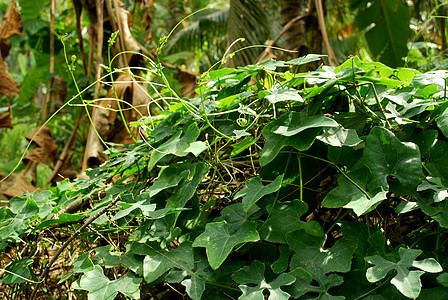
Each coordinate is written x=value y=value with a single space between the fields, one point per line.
x=248 y=20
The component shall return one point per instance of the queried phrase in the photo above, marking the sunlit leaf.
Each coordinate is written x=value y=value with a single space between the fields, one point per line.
x=406 y=281
x=254 y=190
x=219 y=240
x=253 y=283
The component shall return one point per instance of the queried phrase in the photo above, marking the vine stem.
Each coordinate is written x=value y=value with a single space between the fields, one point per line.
x=69 y=240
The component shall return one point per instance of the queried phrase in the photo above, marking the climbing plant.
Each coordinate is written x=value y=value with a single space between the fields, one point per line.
x=269 y=183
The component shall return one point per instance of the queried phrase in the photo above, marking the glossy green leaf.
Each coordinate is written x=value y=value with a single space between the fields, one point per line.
x=178 y=145
x=280 y=265
x=253 y=283
x=285 y=218
x=254 y=190
x=442 y=122
x=321 y=285
x=305 y=59
x=157 y=261
x=186 y=189
x=25 y=208
x=349 y=195
x=339 y=136
x=437 y=78
x=406 y=281
x=292 y=129
x=219 y=240
x=242 y=145
x=101 y=288
x=311 y=255
x=280 y=94
x=437 y=162
x=385 y=155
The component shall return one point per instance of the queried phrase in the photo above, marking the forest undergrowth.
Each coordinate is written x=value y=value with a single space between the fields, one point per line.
x=269 y=184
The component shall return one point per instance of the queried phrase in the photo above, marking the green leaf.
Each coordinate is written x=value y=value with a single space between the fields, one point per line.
x=348 y=195
x=385 y=156
x=242 y=145
x=179 y=146
x=219 y=240
x=292 y=129
x=437 y=162
x=31 y=9
x=406 y=281
x=321 y=285
x=305 y=59
x=25 y=208
x=284 y=218
x=437 y=78
x=388 y=30
x=442 y=122
x=83 y=264
x=187 y=188
x=194 y=281
x=339 y=136
x=279 y=95
x=280 y=265
x=100 y=287
x=442 y=279
x=253 y=283
x=311 y=256
x=158 y=261
x=254 y=190
x=18 y=271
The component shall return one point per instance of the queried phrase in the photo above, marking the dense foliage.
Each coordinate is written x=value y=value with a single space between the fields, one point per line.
x=271 y=183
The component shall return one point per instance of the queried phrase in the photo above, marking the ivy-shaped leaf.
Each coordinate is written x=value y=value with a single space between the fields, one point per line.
x=339 y=136
x=186 y=189
x=143 y=207
x=24 y=209
x=280 y=94
x=158 y=261
x=386 y=155
x=406 y=281
x=438 y=162
x=254 y=190
x=101 y=288
x=179 y=146
x=292 y=129
x=349 y=195
x=219 y=238
x=17 y=272
x=82 y=264
x=194 y=282
x=311 y=256
x=253 y=283
x=321 y=286
x=284 y=218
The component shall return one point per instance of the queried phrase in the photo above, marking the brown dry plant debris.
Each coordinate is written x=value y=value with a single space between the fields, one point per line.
x=11 y=25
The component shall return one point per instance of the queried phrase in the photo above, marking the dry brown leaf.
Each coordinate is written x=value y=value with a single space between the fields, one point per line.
x=147 y=19
x=11 y=25
x=43 y=139
x=58 y=92
x=40 y=155
x=16 y=185
x=189 y=83
x=5 y=120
